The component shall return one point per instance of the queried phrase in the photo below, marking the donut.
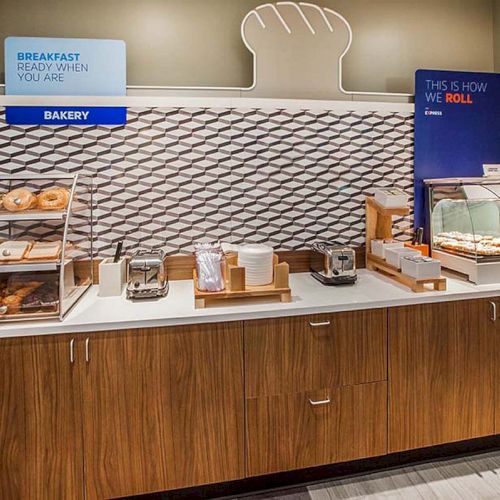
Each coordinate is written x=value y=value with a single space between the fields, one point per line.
x=53 y=199
x=18 y=200
x=13 y=303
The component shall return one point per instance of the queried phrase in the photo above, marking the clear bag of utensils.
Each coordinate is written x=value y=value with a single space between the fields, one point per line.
x=210 y=267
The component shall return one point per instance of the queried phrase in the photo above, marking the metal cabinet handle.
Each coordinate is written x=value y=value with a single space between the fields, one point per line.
x=87 y=349
x=322 y=323
x=72 y=351
x=319 y=403
x=493 y=316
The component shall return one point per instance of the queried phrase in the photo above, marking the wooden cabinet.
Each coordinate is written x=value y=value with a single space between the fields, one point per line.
x=495 y=319
x=40 y=420
x=131 y=412
x=164 y=409
x=305 y=353
x=441 y=366
x=113 y=414
x=12 y=420
x=316 y=390
x=299 y=430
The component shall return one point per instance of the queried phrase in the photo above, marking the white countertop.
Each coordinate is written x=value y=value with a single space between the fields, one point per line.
x=372 y=291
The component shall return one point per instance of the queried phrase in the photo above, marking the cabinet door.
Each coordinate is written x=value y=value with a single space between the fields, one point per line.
x=163 y=409
x=12 y=421
x=294 y=431
x=440 y=373
x=40 y=426
x=495 y=318
x=290 y=355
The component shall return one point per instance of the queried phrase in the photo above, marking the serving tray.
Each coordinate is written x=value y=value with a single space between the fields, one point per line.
x=235 y=284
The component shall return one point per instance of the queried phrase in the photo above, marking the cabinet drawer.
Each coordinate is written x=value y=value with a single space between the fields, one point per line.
x=295 y=431
x=289 y=355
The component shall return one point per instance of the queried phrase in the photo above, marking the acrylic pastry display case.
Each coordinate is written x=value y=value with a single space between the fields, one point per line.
x=464 y=217
x=46 y=244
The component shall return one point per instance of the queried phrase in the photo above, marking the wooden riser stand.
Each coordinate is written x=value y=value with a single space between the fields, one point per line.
x=235 y=284
x=379 y=227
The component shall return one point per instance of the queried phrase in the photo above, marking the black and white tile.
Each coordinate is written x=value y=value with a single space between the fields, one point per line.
x=174 y=176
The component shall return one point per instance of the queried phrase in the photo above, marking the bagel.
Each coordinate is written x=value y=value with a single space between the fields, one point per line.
x=53 y=199
x=18 y=200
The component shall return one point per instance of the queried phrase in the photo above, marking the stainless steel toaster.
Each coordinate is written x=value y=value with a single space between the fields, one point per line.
x=333 y=264
x=147 y=275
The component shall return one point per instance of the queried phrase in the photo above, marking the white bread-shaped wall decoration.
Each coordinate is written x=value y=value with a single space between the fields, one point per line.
x=298 y=50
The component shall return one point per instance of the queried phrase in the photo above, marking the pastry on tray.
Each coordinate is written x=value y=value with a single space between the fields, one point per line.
x=42 y=298
x=21 y=293
x=53 y=199
x=44 y=250
x=13 y=250
x=15 y=295
x=18 y=200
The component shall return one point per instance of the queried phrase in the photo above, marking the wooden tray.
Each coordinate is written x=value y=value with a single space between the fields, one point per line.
x=379 y=226
x=235 y=284
x=417 y=285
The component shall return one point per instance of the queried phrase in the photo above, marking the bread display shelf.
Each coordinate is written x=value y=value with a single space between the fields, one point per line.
x=469 y=255
x=34 y=248
x=236 y=289
x=33 y=315
x=40 y=215
x=33 y=215
x=379 y=226
x=25 y=266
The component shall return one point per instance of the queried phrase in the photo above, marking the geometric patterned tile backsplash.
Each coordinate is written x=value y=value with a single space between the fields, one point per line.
x=174 y=176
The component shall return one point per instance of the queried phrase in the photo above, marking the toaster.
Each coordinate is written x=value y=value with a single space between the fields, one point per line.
x=333 y=264
x=147 y=275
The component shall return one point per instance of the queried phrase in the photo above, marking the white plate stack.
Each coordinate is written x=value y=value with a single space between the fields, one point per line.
x=258 y=263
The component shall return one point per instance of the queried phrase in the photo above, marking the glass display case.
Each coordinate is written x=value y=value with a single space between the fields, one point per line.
x=464 y=217
x=46 y=244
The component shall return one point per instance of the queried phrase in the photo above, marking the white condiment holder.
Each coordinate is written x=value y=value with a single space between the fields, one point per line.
x=378 y=247
x=421 y=267
x=391 y=197
x=393 y=255
x=112 y=277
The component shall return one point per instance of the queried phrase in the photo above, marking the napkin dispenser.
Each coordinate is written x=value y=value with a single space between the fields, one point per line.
x=147 y=275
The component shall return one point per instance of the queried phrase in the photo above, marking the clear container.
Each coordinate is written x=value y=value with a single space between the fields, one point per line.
x=47 y=258
x=465 y=217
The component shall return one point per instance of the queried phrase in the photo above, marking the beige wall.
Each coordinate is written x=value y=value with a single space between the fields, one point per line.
x=197 y=42
x=496 y=33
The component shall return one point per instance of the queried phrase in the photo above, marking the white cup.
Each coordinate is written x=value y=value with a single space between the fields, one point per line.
x=112 y=277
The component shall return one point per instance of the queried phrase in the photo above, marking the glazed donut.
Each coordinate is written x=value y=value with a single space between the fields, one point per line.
x=53 y=199
x=18 y=200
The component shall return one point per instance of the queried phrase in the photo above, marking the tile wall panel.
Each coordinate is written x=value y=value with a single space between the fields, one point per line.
x=174 y=176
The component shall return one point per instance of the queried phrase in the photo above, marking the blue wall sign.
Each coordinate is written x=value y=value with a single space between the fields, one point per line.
x=457 y=127
x=65 y=67
x=65 y=115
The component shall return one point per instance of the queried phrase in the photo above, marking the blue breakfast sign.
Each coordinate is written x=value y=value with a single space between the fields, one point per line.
x=65 y=67
x=457 y=127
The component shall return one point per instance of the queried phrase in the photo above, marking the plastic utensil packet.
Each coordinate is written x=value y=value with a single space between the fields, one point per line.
x=210 y=267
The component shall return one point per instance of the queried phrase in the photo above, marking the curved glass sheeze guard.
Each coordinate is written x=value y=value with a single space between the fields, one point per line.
x=45 y=233
x=465 y=217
